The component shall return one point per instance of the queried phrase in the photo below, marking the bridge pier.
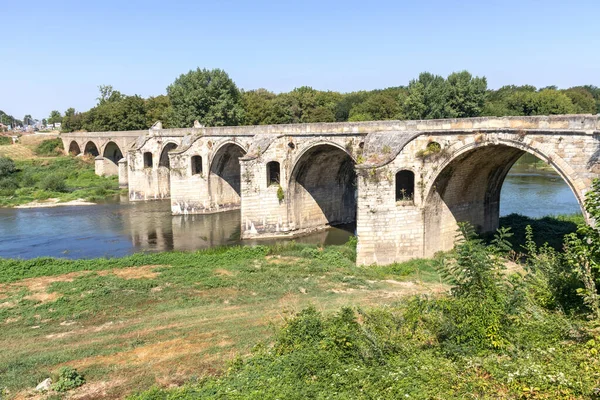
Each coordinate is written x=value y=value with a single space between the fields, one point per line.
x=123 y=173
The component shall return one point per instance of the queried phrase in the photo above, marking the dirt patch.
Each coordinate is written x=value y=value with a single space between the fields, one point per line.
x=224 y=272
x=283 y=260
x=156 y=354
x=96 y=390
x=143 y=272
x=39 y=286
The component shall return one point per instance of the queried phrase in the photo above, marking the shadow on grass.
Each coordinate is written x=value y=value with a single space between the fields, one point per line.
x=550 y=229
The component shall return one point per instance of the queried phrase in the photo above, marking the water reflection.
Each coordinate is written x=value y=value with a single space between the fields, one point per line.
x=119 y=228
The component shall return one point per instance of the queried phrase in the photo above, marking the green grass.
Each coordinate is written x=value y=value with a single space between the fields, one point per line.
x=175 y=317
x=65 y=178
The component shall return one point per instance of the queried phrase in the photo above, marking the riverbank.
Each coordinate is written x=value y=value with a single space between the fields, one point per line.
x=56 y=202
x=164 y=319
x=287 y=321
x=53 y=180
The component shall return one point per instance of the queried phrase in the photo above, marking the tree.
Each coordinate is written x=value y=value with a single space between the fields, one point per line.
x=158 y=109
x=582 y=100
x=553 y=102
x=55 y=117
x=258 y=106
x=108 y=95
x=378 y=106
x=209 y=96
x=466 y=94
x=427 y=98
x=72 y=121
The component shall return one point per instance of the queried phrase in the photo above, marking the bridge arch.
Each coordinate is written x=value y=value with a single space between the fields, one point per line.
x=74 y=148
x=225 y=176
x=322 y=187
x=91 y=149
x=164 y=170
x=112 y=152
x=466 y=187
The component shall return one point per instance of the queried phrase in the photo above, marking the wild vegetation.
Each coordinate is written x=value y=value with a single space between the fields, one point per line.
x=212 y=98
x=63 y=178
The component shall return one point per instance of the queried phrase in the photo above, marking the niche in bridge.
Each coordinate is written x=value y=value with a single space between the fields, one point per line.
x=405 y=185
x=196 y=165
x=273 y=172
x=225 y=179
x=468 y=189
x=147 y=159
x=91 y=149
x=322 y=188
x=74 y=148
x=112 y=152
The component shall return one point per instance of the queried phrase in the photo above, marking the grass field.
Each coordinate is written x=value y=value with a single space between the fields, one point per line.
x=169 y=318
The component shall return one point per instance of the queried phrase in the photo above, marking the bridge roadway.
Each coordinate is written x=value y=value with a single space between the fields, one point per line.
x=406 y=184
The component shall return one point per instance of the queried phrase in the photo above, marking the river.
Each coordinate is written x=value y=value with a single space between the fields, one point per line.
x=118 y=228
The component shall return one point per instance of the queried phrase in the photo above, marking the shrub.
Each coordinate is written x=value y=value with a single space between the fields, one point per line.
x=8 y=185
x=68 y=378
x=54 y=182
x=7 y=166
x=5 y=140
x=50 y=147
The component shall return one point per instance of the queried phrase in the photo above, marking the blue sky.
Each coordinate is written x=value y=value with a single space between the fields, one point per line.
x=60 y=51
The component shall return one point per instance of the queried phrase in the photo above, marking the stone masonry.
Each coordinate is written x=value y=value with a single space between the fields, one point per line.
x=406 y=184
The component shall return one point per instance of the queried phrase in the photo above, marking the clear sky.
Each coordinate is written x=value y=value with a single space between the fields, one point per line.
x=56 y=53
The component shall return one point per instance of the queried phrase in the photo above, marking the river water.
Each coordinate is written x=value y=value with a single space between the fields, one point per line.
x=119 y=228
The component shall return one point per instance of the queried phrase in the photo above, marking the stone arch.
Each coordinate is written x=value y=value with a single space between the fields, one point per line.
x=163 y=161
x=112 y=152
x=225 y=176
x=164 y=170
x=322 y=187
x=74 y=148
x=466 y=187
x=91 y=149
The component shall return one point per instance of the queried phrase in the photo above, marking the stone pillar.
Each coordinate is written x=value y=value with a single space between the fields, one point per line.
x=123 y=173
x=105 y=167
x=388 y=230
x=264 y=206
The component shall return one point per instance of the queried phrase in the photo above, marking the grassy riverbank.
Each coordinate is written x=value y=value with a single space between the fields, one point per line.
x=224 y=323
x=169 y=318
x=64 y=178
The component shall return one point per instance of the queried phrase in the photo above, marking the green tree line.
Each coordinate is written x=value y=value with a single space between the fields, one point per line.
x=212 y=98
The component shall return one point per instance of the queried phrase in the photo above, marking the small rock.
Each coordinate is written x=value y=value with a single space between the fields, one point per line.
x=45 y=385
x=302 y=290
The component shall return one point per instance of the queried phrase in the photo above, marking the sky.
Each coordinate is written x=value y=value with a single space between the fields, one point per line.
x=55 y=54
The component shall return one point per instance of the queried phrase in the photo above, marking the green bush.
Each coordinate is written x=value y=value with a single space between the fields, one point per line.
x=68 y=378
x=54 y=182
x=50 y=147
x=7 y=166
x=8 y=186
x=5 y=140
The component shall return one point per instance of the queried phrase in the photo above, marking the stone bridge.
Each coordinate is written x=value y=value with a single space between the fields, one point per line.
x=405 y=184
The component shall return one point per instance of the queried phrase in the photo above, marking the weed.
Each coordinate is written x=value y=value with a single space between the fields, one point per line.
x=68 y=378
